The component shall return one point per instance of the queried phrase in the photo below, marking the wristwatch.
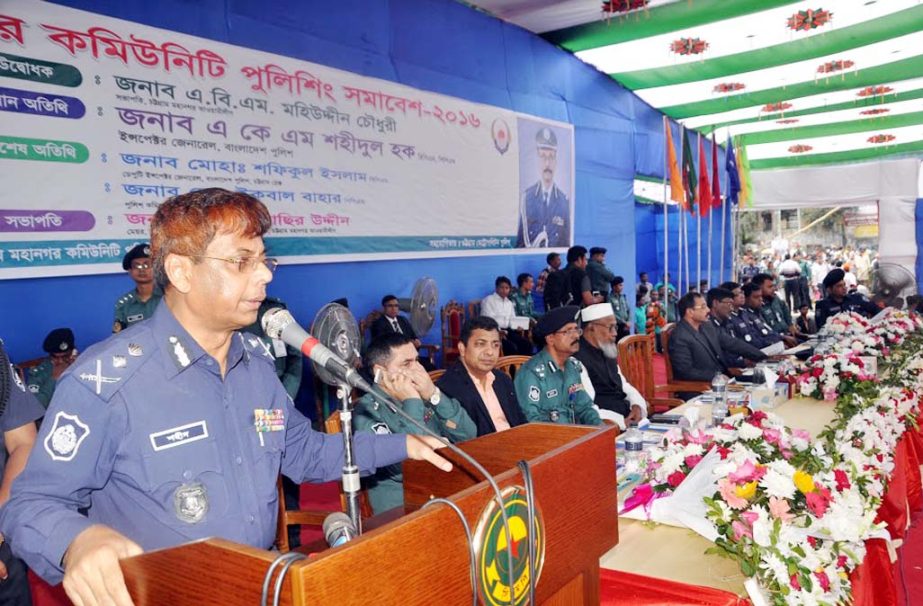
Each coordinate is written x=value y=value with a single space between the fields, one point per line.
x=436 y=397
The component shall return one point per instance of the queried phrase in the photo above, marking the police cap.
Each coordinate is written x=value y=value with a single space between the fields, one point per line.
x=835 y=275
x=59 y=340
x=546 y=139
x=554 y=320
x=140 y=251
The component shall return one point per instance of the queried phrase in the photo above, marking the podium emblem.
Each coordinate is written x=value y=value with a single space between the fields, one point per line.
x=497 y=585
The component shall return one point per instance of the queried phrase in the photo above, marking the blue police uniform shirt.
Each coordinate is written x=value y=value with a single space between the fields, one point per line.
x=144 y=432
x=543 y=224
x=21 y=408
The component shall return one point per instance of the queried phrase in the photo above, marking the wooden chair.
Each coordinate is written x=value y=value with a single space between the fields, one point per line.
x=474 y=308
x=510 y=364
x=287 y=517
x=453 y=318
x=636 y=361
x=435 y=375
x=673 y=386
x=23 y=367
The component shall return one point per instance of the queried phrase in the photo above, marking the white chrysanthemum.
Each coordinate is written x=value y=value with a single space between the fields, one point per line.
x=748 y=431
x=778 y=484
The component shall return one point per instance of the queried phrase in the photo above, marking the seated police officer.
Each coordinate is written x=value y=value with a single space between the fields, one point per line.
x=487 y=394
x=41 y=379
x=837 y=300
x=756 y=332
x=139 y=303
x=18 y=413
x=549 y=385
x=392 y=361
x=174 y=429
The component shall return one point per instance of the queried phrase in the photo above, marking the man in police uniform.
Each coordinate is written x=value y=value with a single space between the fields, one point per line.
x=41 y=379
x=544 y=213
x=139 y=303
x=837 y=300
x=602 y=378
x=620 y=307
x=175 y=429
x=393 y=362
x=755 y=331
x=548 y=386
x=774 y=311
x=18 y=413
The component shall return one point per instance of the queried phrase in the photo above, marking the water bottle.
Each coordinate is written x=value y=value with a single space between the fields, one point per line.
x=634 y=443
x=719 y=407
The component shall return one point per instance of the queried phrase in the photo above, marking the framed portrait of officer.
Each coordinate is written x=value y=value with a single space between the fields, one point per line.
x=546 y=185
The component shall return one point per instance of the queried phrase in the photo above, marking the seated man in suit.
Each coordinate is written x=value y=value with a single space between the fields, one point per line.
x=697 y=347
x=486 y=394
x=392 y=322
x=392 y=361
x=602 y=378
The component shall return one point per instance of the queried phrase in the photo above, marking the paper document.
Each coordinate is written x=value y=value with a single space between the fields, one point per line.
x=774 y=350
x=519 y=323
x=796 y=349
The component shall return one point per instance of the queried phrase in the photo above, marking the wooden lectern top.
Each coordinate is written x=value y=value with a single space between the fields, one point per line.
x=423 y=558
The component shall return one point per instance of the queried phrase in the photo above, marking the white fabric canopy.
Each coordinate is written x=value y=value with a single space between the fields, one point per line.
x=894 y=185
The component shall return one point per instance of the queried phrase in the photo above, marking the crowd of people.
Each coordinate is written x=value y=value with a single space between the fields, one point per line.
x=177 y=426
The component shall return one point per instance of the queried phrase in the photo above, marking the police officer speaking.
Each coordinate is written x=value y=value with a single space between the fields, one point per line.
x=544 y=212
x=175 y=428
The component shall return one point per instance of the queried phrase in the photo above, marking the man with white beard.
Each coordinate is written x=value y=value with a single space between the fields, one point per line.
x=602 y=379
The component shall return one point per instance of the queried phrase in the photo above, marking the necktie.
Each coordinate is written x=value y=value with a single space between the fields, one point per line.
x=397 y=327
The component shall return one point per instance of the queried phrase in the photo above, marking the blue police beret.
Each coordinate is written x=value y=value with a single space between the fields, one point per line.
x=554 y=320
x=140 y=251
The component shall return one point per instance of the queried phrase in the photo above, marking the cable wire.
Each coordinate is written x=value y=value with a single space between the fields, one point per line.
x=532 y=533
x=267 y=578
x=472 y=558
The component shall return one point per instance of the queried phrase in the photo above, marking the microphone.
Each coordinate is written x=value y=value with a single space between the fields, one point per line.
x=338 y=529
x=278 y=323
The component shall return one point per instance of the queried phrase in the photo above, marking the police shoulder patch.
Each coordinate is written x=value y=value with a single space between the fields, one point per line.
x=380 y=428
x=65 y=437
x=534 y=393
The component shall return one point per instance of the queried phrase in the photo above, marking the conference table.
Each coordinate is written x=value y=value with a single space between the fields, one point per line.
x=661 y=564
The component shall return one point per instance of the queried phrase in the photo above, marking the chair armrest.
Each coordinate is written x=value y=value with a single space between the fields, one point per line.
x=667 y=403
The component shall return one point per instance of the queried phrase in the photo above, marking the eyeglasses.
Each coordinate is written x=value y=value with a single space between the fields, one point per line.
x=245 y=265
x=608 y=327
x=569 y=331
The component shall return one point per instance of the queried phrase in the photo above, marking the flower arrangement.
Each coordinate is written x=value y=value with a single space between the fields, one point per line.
x=792 y=511
x=881 y=138
x=688 y=46
x=874 y=91
x=728 y=87
x=806 y=20
x=829 y=376
x=799 y=148
x=834 y=66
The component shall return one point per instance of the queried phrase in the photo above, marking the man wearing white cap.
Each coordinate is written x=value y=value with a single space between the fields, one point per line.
x=612 y=394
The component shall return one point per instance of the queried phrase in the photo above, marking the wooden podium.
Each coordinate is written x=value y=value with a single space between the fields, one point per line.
x=422 y=557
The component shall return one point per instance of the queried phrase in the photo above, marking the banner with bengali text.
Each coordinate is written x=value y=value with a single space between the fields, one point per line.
x=101 y=120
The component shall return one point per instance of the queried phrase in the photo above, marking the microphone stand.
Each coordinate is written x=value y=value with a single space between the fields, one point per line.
x=351 y=484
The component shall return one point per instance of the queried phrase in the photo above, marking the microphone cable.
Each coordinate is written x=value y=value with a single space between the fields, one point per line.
x=398 y=410
x=530 y=509
x=472 y=557
x=285 y=560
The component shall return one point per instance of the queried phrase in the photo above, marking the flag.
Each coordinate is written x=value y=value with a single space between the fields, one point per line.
x=730 y=165
x=715 y=181
x=704 y=194
x=676 y=180
x=743 y=169
x=689 y=179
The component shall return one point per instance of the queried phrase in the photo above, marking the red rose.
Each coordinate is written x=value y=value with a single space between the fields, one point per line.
x=676 y=478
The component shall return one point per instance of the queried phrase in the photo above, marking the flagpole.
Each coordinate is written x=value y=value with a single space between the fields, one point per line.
x=698 y=226
x=723 y=227
x=681 y=240
x=686 y=247
x=708 y=272
x=666 y=216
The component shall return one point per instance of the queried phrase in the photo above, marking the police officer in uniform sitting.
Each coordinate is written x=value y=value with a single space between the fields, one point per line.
x=393 y=362
x=61 y=354
x=139 y=303
x=544 y=213
x=756 y=331
x=175 y=429
x=548 y=385
x=837 y=299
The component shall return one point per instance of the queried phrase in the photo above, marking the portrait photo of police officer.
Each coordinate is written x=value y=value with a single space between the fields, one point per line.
x=545 y=178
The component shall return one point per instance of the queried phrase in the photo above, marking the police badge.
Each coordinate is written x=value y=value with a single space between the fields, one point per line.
x=65 y=437
x=190 y=502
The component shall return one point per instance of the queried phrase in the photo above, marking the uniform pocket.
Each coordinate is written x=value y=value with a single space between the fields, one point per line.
x=188 y=479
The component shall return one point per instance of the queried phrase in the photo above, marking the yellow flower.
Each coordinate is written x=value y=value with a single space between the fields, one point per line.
x=803 y=481
x=746 y=491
